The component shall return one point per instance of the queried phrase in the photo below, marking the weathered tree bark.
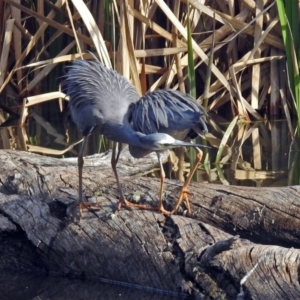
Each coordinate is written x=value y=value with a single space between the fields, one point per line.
x=234 y=233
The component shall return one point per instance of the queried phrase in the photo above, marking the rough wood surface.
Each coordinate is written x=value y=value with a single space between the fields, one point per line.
x=233 y=232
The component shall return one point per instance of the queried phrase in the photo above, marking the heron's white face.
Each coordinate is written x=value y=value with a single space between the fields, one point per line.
x=158 y=141
x=165 y=140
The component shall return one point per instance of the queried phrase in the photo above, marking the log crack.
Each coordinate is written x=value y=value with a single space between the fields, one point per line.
x=198 y=254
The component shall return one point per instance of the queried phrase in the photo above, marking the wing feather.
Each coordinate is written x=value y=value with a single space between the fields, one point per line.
x=167 y=111
x=98 y=95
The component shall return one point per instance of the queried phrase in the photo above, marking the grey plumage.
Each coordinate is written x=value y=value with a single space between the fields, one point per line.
x=167 y=111
x=99 y=97
x=104 y=102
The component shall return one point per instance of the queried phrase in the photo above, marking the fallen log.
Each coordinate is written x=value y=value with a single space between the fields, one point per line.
x=236 y=244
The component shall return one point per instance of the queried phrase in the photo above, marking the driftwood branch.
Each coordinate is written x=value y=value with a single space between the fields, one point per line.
x=237 y=244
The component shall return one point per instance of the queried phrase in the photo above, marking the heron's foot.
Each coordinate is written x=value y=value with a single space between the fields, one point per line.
x=183 y=196
x=125 y=203
x=162 y=210
x=90 y=206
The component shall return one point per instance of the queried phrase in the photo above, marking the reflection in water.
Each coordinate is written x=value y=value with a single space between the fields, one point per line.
x=256 y=154
x=33 y=287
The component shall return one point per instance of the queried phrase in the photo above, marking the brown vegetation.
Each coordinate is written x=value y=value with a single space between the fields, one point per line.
x=239 y=43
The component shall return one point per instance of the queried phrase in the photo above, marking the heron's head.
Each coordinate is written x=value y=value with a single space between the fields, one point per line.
x=163 y=141
x=159 y=141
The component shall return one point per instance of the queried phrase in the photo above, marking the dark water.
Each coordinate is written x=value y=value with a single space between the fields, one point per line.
x=16 y=286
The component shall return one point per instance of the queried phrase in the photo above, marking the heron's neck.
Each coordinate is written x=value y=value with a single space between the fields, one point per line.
x=128 y=136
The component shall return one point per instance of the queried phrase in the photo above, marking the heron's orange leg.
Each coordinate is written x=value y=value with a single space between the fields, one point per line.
x=183 y=196
x=122 y=200
x=160 y=206
x=88 y=206
x=83 y=205
x=80 y=161
x=126 y=203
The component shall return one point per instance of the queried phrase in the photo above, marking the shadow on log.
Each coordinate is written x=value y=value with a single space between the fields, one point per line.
x=237 y=244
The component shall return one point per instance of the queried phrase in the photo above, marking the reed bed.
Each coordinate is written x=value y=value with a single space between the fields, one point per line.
x=230 y=55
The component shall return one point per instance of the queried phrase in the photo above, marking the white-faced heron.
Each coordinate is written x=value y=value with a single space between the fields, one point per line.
x=104 y=102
